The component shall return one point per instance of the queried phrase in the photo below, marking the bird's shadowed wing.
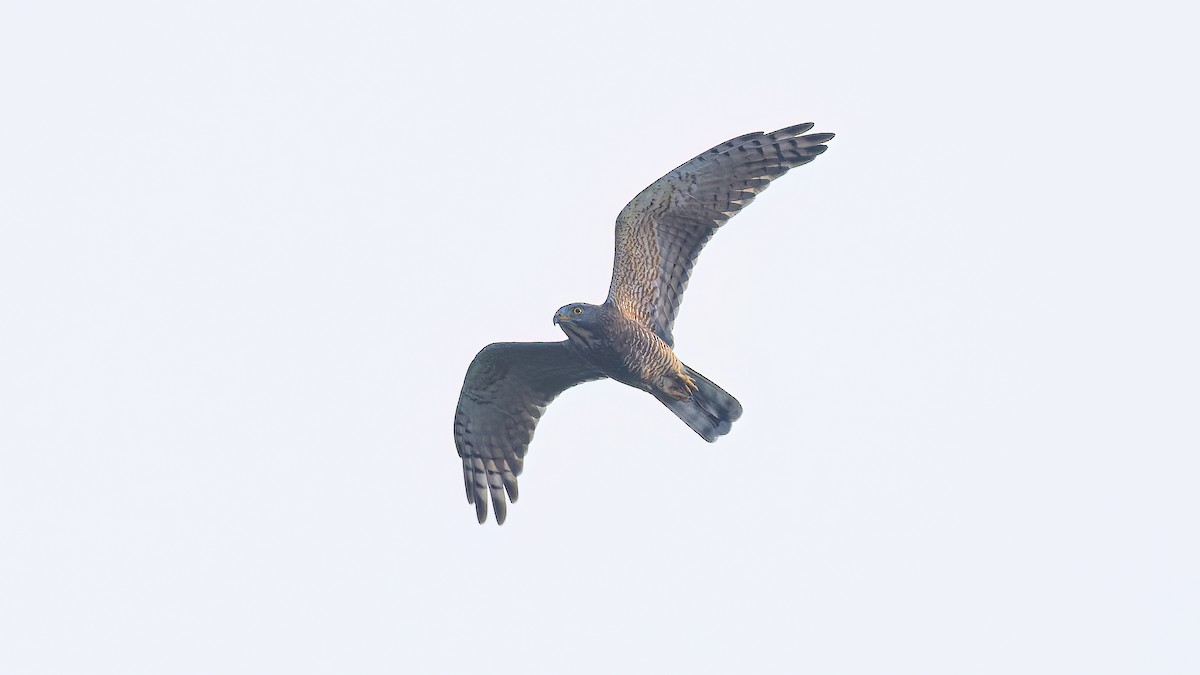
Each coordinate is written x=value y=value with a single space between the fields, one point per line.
x=661 y=231
x=506 y=390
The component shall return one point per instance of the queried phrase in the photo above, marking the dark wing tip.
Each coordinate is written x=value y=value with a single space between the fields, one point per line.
x=469 y=480
x=510 y=486
x=500 y=508
x=794 y=130
x=481 y=510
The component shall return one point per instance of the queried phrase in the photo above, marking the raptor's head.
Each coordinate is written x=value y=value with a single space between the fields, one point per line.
x=577 y=317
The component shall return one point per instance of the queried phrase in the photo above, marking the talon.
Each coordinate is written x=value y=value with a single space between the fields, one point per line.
x=689 y=384
x=683 y=388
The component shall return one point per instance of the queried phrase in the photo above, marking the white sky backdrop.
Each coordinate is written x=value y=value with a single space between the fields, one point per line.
x=249 y=249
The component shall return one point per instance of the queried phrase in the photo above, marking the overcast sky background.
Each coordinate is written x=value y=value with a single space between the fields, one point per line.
x=248 y=250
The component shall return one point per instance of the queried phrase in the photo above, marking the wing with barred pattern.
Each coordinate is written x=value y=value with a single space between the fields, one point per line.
x=506 y=390
x=661 y=231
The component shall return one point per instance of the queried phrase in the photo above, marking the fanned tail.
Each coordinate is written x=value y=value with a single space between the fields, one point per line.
x=710 y=411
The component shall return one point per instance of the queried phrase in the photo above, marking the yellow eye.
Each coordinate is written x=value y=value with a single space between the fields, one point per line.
x=577 y=310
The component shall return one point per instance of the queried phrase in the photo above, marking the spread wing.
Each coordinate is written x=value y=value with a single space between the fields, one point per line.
x=507 y=388
x=661 y=231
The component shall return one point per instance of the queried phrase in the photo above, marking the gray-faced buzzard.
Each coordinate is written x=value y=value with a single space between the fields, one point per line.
x=628 y=338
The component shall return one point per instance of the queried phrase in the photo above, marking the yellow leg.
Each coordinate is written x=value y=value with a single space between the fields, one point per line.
x=683 y=387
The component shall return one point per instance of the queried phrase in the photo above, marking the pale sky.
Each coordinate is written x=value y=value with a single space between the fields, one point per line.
x=247 y=251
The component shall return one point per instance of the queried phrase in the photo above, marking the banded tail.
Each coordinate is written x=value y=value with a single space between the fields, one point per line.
x=710 y=411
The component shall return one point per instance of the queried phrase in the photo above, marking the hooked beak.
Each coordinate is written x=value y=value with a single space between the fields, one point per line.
x=558 y=317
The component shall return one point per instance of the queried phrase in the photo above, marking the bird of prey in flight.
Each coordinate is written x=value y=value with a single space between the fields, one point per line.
x=628 y=338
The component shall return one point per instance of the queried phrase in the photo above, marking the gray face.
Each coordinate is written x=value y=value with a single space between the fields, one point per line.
x=578 y=313
x=577 y=319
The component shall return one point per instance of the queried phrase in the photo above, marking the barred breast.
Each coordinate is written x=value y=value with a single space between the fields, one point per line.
x=646 y=357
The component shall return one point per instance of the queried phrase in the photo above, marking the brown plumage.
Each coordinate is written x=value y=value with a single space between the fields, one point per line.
x=629 y=338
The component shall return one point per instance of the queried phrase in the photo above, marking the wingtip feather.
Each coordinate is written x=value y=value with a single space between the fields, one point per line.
x=794 y=130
